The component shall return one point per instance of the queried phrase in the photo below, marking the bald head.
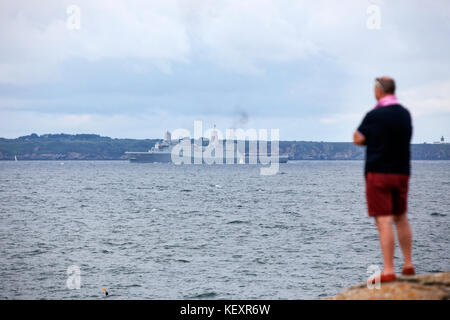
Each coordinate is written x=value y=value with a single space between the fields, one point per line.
x=384 y=86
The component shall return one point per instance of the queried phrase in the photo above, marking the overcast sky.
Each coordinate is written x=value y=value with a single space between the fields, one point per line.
x=134 y=69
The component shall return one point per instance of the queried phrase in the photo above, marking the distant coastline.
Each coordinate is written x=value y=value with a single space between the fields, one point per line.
x=96 y=147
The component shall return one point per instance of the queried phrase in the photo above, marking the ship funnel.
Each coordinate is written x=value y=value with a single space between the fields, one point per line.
x=167 y=137
x=214 y=136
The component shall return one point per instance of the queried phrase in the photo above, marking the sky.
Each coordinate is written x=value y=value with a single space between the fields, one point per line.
x=134 y=69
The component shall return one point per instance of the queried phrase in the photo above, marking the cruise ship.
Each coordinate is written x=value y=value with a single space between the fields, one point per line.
x=162 y=152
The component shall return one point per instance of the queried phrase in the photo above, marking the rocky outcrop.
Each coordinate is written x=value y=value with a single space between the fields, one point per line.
x=434 y=286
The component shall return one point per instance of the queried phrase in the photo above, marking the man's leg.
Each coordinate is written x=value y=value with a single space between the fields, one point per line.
x=405 y=238
x=387 y=242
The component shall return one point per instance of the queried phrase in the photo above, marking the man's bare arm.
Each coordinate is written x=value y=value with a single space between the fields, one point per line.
x=359 y=139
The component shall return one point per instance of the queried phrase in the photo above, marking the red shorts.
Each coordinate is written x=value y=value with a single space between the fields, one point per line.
x=386 y=193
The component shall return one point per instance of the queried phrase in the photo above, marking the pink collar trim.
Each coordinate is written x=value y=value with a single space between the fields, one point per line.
x=387 y=101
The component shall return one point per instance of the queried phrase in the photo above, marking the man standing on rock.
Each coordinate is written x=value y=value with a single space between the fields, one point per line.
x=386 y=132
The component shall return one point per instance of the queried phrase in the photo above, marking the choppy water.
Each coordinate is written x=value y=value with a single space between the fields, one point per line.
x=159 y=231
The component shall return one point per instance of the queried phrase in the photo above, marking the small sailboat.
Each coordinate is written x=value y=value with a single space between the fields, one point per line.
x=15 y=158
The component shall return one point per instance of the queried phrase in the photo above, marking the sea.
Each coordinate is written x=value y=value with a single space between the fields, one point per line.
x=73 y=229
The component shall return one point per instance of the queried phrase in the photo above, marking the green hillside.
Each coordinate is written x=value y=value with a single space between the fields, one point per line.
x=96 y=147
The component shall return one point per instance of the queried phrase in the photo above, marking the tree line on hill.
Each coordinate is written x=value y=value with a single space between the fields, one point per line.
x=96 y=147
